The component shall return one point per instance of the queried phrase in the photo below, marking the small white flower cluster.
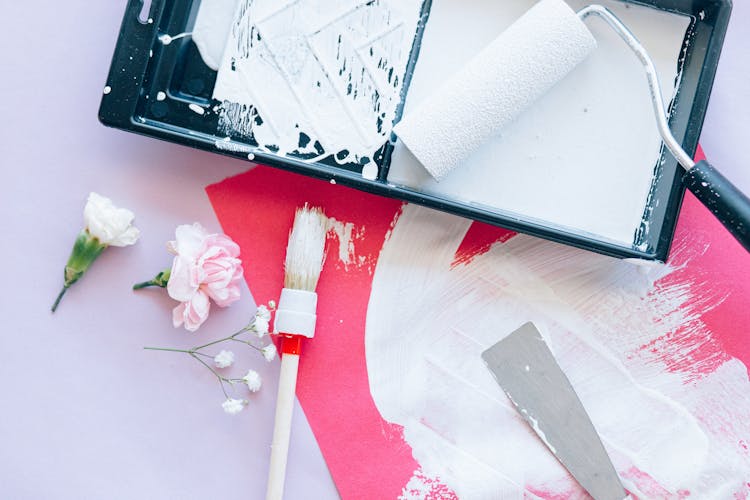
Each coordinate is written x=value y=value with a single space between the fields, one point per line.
x=262 y=321
x=253 y=381
x=234 y=406
x=253 y=335
x=224 y=359
x=269 y=352
x=260 y=326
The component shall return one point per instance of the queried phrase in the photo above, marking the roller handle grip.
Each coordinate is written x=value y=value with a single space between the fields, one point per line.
x=722 y=198
x=283 y=423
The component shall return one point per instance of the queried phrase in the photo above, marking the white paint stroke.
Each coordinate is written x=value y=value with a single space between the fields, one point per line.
x=429 y=320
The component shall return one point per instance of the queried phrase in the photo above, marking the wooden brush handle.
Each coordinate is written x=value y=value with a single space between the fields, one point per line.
x=282 y=426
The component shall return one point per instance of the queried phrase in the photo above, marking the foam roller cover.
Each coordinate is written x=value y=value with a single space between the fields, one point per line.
x=495 y=87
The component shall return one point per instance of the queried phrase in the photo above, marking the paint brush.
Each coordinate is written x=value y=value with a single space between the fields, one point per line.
x=295 y=319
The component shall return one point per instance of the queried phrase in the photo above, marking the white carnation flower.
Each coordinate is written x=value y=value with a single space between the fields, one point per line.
x=233 y=406
x=253 y=380
x=109 y=224
x=224 y=359
x=269 y=352
x=105 y=225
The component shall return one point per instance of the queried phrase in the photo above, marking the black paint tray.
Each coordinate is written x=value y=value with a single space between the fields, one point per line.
x=141 y=69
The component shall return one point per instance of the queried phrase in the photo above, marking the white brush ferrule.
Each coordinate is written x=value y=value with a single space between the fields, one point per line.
x=296 y=312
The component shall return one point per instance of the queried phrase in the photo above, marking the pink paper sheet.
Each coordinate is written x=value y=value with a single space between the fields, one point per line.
x=368 y=456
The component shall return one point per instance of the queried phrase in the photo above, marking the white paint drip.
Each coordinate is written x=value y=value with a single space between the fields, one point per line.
x=166 y=39
x=429 y=319
x=107 y=90
x=160 y=96
x=332 y=74
x=582 y=157
x=197 y=109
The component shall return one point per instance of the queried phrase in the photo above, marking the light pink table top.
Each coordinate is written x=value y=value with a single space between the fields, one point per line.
x=86 y=413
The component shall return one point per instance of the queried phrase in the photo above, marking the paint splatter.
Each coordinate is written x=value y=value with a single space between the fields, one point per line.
x=421 y=486
x=332 y=75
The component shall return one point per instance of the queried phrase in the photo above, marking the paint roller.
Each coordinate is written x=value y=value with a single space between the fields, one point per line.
x=520 y=66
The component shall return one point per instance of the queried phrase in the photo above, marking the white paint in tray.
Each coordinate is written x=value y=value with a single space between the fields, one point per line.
x=581 y=158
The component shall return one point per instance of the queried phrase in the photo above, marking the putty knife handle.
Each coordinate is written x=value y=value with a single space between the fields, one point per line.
x=722 y=198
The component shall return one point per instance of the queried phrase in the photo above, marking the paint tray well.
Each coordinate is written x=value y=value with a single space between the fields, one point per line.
x=162 y=85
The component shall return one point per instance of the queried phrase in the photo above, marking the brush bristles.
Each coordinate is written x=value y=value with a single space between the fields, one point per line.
x=305 y=251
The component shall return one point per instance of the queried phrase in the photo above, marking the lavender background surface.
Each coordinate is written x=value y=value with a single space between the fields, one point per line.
x=85 y=412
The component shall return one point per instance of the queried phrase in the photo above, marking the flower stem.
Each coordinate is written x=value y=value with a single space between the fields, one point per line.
x=231 y=337
x=59 y=298
x=168 y=349
x=144 y=284
x=247 y=343
x=160 y=280
x=218 y=377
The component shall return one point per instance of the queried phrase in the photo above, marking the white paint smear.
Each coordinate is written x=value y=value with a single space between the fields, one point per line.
x=582 y=157
x=430 y=318
x=316 y=77
x=343 y=233
x=211 y=30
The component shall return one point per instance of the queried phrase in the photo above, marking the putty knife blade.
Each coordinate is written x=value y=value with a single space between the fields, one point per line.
x=526 y=370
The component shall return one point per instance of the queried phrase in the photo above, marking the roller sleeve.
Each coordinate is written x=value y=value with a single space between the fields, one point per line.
x=496 y=86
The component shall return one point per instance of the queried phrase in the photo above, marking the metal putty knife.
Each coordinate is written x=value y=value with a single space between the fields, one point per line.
x=526 y=370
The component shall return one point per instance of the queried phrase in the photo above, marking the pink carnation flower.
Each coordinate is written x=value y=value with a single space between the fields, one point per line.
x=206 y=266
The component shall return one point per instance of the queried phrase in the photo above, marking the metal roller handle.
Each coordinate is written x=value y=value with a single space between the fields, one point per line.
x=657 y=99
x=730 y=206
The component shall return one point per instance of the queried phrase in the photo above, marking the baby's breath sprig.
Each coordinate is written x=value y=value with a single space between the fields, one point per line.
x=255 y=336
